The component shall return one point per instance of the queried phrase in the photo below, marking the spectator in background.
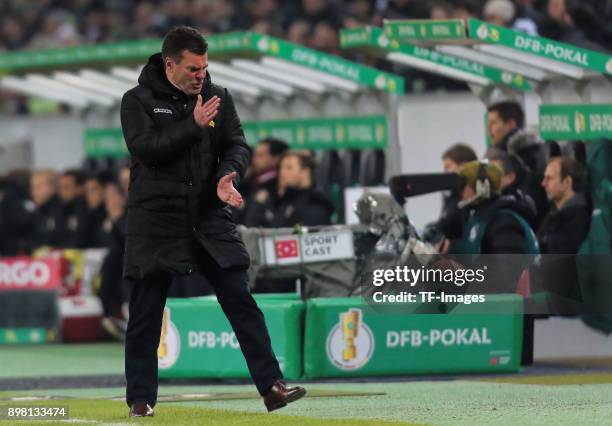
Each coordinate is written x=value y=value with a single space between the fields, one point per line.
x=114 y=292
x=325 y=38
x=503 y=13
x=47 y=218
x=75 y=227
x=567 y=223
x=504 y=119
x=99 y=225
x=441 y=10
x=513 y=180
x=560 y=24
x=58 y=30
x=299 y=32
x=15 y=212
x=563 y=231
x=495 y=225
x=450 y=223
x=296 y=201
x=261 y=182
x=465 y=9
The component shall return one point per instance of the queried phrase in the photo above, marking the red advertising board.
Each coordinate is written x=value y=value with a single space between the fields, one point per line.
x=26 y=273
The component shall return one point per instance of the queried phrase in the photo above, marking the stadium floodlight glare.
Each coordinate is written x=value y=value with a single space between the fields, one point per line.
x=260 y=69
x=422 y=64
x=550 y=65
x=238 y=86
x=69 y=90
x=82 y=83
x=218 y=68
x=529 y=72
x=127 y=74
x=308 y=73
x=33 y=89
x=106 y=79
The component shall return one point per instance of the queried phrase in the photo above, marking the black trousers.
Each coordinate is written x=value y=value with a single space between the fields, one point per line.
x=147 y=302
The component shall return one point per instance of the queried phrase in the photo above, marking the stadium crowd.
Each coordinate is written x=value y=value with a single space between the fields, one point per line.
x=41 y=24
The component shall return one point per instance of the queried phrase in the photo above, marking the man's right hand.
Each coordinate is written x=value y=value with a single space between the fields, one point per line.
x=204 y=113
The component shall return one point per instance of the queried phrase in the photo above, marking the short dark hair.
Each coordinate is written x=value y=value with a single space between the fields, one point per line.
x=460 y=153
x=183 y=38
x=510 y=164
x=276 y=146
x=509 y=110
x=305 y=158
x=77 y=175
x=572 y=168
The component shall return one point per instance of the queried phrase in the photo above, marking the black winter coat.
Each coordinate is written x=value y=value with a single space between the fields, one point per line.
x=175 y=167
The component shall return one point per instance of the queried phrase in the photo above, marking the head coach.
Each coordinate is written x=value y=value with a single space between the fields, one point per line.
x=188 y=153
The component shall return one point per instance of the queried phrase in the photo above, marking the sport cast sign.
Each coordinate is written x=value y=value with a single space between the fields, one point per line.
x=307 y=248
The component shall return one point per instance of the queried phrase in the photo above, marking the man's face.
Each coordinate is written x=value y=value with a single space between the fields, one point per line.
x=189 y=73
x=291 y=173
x=68 y=188
x=498 y=128
x=555 y=187
x=450 y=166
x=94 y=193
x=41 y=189
x=263 y=160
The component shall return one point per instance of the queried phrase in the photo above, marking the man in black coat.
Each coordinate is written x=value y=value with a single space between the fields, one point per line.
x=188 y=153
x=564 y=228
x=295 y=201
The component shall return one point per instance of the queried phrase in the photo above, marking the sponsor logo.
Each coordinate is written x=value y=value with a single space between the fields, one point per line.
x=162 y=111
x=350 y=344
x=286 y=248
x=24 y=273
x=169 y=343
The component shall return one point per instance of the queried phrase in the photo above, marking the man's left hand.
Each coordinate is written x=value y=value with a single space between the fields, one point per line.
x=226 y=191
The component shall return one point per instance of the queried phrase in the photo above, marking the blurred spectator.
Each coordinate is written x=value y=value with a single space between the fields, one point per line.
x=499 y=12
x=58 y=30
x=465 y=9
x=564 y=228
x=47 y=217
x=441 y=10
x=100 y=226
x=567 y=223
x=15 y=212
x=503 y=120
x=325 y=38
x=560 y=24
x=261 y=182
x=75 y=227
x=114 y=292
x=513 y=180
x=296 y=200
x=450 y=223
x=299 y=32
x=495 y=225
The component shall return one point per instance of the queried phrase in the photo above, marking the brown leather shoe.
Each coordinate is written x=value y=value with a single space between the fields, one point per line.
x=141 y=409
x=280 y=395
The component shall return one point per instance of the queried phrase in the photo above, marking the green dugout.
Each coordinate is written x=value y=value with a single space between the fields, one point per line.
x=198 y=341
x=346 y=338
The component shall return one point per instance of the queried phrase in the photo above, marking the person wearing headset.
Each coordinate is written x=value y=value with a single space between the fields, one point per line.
x=495 y=225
